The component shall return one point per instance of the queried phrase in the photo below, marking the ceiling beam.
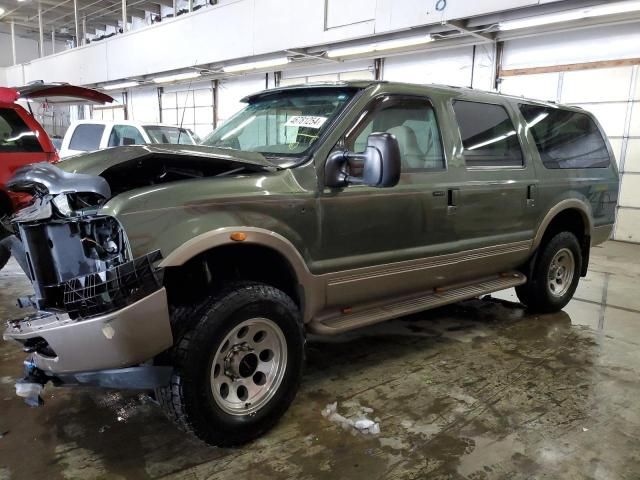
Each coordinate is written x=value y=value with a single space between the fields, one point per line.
x=462 y=28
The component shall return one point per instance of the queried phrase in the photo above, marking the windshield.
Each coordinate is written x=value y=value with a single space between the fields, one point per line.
x=161 y=134
x=282 y=125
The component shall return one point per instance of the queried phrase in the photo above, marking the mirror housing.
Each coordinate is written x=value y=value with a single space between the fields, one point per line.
x=380 y=164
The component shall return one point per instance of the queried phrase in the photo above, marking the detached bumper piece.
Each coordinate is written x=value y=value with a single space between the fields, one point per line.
x=144 y=377
x=113 y=289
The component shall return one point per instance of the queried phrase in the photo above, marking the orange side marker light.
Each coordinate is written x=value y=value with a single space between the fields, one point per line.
x=238 y=236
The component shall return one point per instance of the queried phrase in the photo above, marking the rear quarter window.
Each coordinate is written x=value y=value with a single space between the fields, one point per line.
x=488 y=135
x=565 y=138
x=86 y=137
x=15 y=135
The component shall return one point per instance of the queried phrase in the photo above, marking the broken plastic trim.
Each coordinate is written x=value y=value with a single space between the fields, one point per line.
x=143 y=377
x=104 y=292
x=49 y=179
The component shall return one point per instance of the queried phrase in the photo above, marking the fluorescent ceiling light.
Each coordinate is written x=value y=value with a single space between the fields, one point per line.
x=2 y=10
x=374 y=47
x=570 y=15
x=121 y=85
x=176 y=77
x=242 y=67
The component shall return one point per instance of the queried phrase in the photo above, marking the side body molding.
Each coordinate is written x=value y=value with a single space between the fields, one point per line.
x=313 y=288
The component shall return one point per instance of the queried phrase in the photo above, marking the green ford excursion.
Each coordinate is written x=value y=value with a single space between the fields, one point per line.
x=196 y=271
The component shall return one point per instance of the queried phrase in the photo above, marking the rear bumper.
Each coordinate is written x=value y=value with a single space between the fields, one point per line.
x=126 y=337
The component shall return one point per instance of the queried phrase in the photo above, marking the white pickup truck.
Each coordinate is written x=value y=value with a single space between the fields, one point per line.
x=89 y=135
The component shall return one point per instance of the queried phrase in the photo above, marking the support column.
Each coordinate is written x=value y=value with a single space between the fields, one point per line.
x=75 y=17
x=40 y=30
x=378 y=68
x=191 y=5
x=160 y=90
x=214 y=85
x=499 y=47
x=13 y=42
x=53 y=40
x=124 y=16
x=84 y=30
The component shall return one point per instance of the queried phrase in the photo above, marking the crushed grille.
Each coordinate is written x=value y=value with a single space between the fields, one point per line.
x=113 y=289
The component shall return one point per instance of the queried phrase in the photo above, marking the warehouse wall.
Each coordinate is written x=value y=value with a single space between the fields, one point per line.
x=612 y=94
x=26 y=49
x=254 y=30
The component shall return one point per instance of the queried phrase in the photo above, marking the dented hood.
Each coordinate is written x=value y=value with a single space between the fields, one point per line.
x=97 y=162
x=114 y=170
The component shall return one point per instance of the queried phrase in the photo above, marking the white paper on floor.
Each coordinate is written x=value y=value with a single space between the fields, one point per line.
x=355 y=420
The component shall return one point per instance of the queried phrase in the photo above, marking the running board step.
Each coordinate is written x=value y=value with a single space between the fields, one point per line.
x=339 y=322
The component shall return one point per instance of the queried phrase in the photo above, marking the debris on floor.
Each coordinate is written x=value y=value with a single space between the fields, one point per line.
x=355 y=420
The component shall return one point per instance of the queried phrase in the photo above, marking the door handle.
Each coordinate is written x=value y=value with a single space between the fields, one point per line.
x=453 y=200
x=532 y=193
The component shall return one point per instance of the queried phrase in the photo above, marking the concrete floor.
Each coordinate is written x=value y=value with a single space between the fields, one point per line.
x=477 y=390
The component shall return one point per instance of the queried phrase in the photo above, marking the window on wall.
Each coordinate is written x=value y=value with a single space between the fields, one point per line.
x=191 y=108
x=109 y=113
x=330 y=77
x=413 y=122
x=488 y=135
x=565 y=138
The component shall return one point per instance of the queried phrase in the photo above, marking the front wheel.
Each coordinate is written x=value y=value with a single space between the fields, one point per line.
x=237 y=370
x=555 y=275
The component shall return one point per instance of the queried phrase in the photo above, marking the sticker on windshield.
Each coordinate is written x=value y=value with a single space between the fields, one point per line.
x=305 y=121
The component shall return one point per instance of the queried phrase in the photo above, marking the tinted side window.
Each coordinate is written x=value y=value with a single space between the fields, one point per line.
x=125 y=135
x=86 y=137
x=566 y=139
x=413 y=122
x=15 y=135
x=488 y=135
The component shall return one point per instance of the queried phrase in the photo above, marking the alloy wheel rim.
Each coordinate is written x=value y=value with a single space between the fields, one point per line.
x=561 y=272
x=248 y=366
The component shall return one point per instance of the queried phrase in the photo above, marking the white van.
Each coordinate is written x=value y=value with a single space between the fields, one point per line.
x=89 y=135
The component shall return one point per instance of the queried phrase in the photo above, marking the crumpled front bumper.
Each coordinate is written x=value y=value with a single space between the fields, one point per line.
x=125 y=337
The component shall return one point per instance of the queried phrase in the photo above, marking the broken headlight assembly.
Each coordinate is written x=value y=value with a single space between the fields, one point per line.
x=78 y=260
x=61 y=202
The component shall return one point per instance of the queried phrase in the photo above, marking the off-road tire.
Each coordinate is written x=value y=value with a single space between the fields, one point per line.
x=189 y=401
x=536 y=294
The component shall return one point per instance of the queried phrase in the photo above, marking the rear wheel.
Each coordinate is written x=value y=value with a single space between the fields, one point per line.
x=555 y=275
x=238 y=368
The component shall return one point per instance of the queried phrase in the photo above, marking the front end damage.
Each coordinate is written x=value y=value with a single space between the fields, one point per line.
x=99 y=313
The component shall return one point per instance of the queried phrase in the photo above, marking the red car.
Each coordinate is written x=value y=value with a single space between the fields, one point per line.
x=24 y=141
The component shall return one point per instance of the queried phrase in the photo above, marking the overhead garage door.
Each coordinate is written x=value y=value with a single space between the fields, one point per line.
x=190 y=107
x=613 y=95
x=354 y=70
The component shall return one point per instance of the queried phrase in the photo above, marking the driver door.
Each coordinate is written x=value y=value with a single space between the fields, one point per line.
x=373 y=238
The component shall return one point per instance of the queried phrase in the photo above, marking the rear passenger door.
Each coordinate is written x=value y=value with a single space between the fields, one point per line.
x=496 y=206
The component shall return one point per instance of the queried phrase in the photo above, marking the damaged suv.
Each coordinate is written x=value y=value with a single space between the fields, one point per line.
x=196 y=271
